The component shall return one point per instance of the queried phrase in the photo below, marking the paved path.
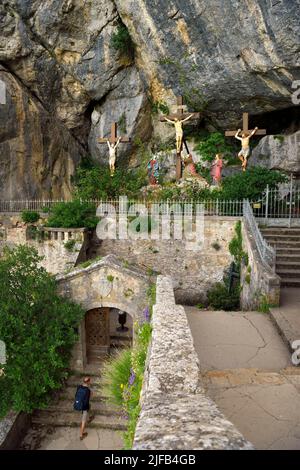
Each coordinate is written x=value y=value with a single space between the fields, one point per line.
x=67 y=438
x=287 y=316
x=246 y=368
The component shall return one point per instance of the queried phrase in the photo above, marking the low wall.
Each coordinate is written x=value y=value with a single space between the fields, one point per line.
x=193 y=272
x=261 y=281
x=49 y=242
x=175 y=413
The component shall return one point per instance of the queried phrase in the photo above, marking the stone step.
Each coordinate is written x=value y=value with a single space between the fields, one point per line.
x=290 y=282
x=73 y=418
x=287 y=258
x=73 y=381
x=98 y=407
x=281 y=238
x=280 y=231
x=287 y=251
x=69 y=394
x=282 y=265
x=284 y=244
x=288 y=273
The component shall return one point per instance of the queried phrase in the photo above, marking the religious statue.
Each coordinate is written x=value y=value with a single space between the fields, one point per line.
x=179 y=130
x=216 y=169
x=245 y=152
x=153 y=171
x=190 y=172
x=112 y=155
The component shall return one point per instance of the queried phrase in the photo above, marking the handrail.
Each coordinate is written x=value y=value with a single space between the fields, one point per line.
x=266 y=251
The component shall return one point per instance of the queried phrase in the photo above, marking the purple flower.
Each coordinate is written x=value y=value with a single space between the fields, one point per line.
x=131 y=378
x=147 y=314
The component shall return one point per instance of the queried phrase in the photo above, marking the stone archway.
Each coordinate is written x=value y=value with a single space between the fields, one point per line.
x=103 y=333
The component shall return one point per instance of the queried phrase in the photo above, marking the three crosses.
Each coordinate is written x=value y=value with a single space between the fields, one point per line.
x=180 y=116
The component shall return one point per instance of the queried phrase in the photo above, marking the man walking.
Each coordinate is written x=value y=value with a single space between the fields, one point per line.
x=82 y=403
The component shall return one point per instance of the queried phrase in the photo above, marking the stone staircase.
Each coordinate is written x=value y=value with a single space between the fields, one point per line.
x=61 y=413
x=287 y=243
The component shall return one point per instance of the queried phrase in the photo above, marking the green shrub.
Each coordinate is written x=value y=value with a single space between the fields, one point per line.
x=121 y=41
x=250 y=184
x=74 y=214
x=214 y=143
x=264 y=305
x=39 y=330
x=236 y=246
x=30 y=217
x=93 y=182
x=220 y=299
x=69 y=245
x=116 y=373
x=248 y=278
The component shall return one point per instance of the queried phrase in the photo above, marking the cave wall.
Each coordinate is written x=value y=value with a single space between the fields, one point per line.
x=65 y=83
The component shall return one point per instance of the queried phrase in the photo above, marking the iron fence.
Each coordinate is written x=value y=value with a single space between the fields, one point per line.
x=214 y=207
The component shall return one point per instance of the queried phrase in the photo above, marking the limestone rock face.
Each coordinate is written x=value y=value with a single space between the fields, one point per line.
x=38 y=155
x=224 y=57
x=128 y=106
x=235 y=54
x=278 y=152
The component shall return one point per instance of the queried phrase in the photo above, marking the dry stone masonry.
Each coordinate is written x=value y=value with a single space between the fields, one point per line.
x=176 y=413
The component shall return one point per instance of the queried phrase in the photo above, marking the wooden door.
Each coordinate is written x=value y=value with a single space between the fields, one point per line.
x=97 y=333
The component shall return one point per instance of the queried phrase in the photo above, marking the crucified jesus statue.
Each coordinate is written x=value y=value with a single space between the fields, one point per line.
x=245 y=152
x=112 y=155
x=179 y=130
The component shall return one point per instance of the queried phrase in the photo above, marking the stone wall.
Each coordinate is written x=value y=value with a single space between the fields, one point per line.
x=49 y=242
x=261 y=282
x=193 y=272
x=175 y=412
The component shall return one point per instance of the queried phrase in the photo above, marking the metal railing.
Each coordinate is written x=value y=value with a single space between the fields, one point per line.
x=266 y=251
x=214 y=207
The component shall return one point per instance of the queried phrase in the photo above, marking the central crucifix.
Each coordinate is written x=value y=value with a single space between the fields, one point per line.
x=113 y=142
x=177 y=119
x=244 y=135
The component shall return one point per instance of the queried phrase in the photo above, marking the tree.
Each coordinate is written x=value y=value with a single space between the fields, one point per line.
x=38 y=327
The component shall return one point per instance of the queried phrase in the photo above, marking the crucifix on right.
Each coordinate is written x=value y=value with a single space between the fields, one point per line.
x=244 y=135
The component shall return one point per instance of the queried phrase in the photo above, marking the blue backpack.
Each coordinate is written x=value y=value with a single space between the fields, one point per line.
x=80 y=398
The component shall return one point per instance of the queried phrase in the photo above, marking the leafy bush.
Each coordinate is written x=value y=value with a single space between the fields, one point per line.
x=236 y=246
x=74 y=214
x=250 y=184
x=121 y=41
x=215 y=143
x=219 y=298
x=39 y=330
x=30 y=217
x=69 y=245
x=93 y=182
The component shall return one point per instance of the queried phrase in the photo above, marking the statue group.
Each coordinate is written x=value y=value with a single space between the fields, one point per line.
x=178 y=119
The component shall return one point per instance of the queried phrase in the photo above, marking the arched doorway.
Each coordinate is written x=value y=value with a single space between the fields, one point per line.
x=106 y=331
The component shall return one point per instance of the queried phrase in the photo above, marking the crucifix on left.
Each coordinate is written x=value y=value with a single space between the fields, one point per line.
x=177 y=119
x=113 y=142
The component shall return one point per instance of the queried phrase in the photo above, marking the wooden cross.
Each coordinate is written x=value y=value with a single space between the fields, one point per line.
x=246 y=128
x=113 y=139
x=180 y=114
